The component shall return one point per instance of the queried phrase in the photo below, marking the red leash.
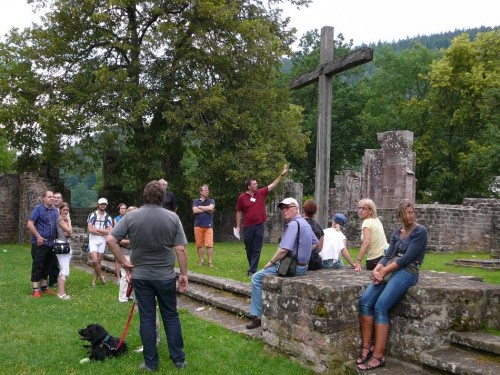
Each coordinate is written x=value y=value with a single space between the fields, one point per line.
x=125 y=330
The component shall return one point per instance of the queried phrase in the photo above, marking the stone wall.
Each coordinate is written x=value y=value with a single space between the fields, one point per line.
x=9 y=207
x=473 y=226
x=314 y=318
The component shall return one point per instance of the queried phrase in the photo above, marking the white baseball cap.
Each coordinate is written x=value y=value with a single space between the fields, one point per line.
x=287 y=202
x=102 y=200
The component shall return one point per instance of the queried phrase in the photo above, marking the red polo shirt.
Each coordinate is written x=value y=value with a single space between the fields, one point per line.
x=253 y=208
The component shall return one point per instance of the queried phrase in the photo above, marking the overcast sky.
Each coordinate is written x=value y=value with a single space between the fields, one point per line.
x=364 y=21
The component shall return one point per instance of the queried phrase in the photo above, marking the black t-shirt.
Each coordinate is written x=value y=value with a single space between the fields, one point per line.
x=316 y=228
x=169 y=202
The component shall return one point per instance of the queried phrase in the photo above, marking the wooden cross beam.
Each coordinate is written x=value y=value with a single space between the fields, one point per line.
x=323 y=75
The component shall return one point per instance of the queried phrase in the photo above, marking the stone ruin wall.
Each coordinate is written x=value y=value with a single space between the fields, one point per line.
x=314 y=318
x=473 y=226
x=386 y=173
x=9 y=208
x=387 y=177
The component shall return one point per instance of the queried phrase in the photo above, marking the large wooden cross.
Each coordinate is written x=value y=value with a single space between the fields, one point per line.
x=324 y=74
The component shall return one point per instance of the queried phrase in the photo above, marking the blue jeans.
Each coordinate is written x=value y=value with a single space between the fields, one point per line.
x=253 y=236
x=256 y=303
x=379 y=299
x=147 y=292
x=330 y=263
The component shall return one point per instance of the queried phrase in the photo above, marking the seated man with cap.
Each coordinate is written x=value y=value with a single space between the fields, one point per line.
x=305 y=239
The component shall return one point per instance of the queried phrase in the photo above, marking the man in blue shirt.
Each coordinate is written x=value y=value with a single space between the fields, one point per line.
x=298 y=243
x=42 y=224
x=203 y=208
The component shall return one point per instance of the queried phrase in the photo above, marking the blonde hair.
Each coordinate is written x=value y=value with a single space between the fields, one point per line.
x=131 y=208
x=370 y=204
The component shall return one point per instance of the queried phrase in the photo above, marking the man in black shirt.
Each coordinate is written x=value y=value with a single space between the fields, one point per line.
x=170 y=203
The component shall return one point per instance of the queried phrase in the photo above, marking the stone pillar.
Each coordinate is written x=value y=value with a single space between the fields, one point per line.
x=345 y=195
x=388 y=175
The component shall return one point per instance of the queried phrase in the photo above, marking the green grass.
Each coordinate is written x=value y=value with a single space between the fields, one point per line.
x=40 y=336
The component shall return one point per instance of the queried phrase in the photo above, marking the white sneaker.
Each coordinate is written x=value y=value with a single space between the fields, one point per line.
x=64 y=297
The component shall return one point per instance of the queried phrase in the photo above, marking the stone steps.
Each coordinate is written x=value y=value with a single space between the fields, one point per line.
x=227 y=302
x=469 y=353
x=218 y=300
x=393 y=366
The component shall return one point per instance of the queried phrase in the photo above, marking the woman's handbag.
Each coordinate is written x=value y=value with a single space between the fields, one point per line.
x=398 y=249
x=288 y=264
x=61 y=247
x=388 y=275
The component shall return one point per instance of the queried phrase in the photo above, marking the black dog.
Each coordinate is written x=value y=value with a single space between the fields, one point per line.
x=103 y=345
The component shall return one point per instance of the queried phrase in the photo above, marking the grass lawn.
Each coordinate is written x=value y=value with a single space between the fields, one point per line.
x=40 y=335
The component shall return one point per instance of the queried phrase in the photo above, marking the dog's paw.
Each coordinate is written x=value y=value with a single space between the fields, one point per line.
x=84 y=360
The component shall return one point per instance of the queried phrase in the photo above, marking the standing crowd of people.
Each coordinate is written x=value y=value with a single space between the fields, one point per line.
x=147 y=241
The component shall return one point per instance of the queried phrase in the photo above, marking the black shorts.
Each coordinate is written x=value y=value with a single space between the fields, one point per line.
x=372 y=263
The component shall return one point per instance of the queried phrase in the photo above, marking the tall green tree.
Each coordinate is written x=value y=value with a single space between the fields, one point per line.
x=7 y=157
x=459 y=146
x=161 y=81
x=345 y=108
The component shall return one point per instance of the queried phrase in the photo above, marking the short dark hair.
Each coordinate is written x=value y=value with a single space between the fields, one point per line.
x=248 y=181
x=310 y=207
x=153 y=193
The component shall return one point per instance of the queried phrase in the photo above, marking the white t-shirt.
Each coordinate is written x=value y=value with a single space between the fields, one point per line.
x=333 y=243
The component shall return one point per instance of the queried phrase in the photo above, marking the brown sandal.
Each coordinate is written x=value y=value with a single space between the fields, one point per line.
x=381 y=363
x=363 y=358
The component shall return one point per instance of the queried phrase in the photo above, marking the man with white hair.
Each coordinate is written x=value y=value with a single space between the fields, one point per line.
x=298 y=238
x=170 y=203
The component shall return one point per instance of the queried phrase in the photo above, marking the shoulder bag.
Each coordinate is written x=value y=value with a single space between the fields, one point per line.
x=288 y=264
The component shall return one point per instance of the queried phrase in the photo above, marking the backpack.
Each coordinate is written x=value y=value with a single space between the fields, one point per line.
x=92 y=218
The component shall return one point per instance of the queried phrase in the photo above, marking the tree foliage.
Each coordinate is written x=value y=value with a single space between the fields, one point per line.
x=448 y=99
x=161 y=82
x=459 y=147
x=7 y=157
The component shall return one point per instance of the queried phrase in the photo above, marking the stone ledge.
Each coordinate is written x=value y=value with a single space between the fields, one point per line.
x=315 y=317
x=460 y=361
x=218 y=298
x=480 y=263
x=477 y=340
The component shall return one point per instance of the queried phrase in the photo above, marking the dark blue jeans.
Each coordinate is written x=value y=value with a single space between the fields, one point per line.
x=147 y=292
x=254 y=239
